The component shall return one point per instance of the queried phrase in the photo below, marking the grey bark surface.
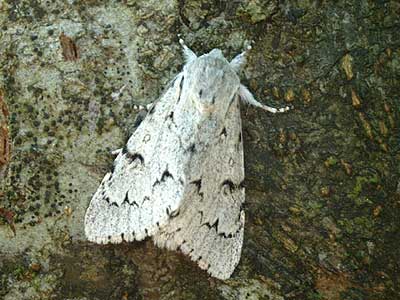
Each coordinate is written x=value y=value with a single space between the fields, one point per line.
x=322 y=180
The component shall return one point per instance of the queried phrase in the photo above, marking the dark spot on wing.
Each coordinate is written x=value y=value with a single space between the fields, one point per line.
x=172 y=214
x=125 y=149
x=152 y=109
x=183 y=242
x=201 y=216
x=214 y=225
x=229 y=184
x=223 y=132
x=221 y=234
x=138 y=119
x=242 y=185
x=133 y=157
x=112 y=171
x=166 y=175
x=145 y=199
x=197 y=183
x=232 y=100
x=171 y=115
x=191 y=148
x=180 y=90
x=126 y=200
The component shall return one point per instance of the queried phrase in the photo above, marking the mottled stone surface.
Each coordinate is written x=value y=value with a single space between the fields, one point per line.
x=323 y=200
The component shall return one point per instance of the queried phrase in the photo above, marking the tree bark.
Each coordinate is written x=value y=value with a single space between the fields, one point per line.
x=322 y=180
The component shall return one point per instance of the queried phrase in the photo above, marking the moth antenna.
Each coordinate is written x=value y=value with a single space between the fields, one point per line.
x=240 y=60
x=248 y=97
x=187 y=52
x=143 y=107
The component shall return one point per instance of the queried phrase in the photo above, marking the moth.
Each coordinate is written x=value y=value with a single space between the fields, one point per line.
x=179 y=178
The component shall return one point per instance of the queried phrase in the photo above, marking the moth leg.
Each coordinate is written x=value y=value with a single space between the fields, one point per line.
x=140 y=116
x=143 y=107
x=248 y=97
x=239 y=60
x=187 y=52
x=116 y=152
x=116 y=95
x=148 y=106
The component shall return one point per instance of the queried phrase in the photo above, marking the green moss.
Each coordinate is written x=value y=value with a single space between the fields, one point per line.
x=253 y=10
x=358 y=226
x=361 y=182
x=101 y=121
x=331 y=161
x=314 y=296
x=18 y=271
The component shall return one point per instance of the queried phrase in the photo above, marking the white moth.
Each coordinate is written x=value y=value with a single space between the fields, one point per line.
x=180 y=176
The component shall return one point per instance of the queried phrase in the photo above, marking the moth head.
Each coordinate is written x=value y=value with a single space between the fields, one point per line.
x=211 y=82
